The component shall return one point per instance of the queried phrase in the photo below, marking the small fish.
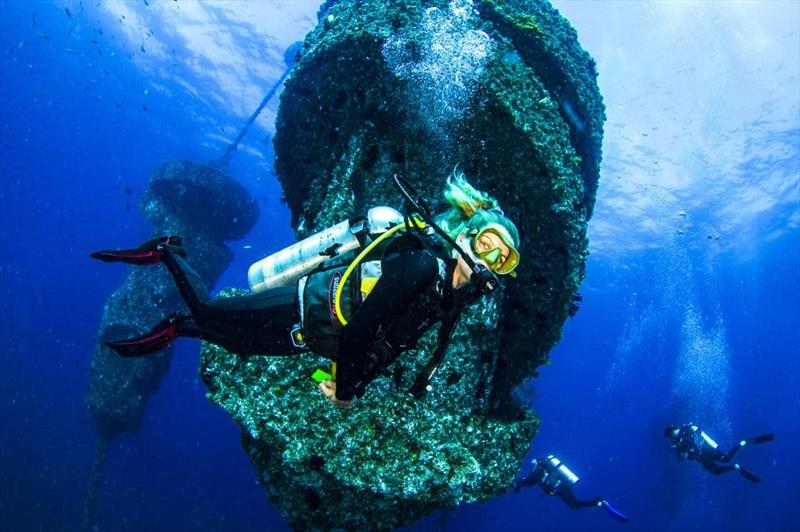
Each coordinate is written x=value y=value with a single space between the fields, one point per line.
x=127 y=207
x=43 y=35
x=128 y=191
x=11 y=50
x=123 y=17
x=69 y=50
x=94 y=41
x=143 y=50
x=33 y=21
x=105 y=72
x=146 y=3
x=247 y=246
x=144 y=107
x=30 y=69
x=118 y=105
x=66 y=9
x=99 y=51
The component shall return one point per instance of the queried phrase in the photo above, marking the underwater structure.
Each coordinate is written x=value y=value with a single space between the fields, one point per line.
x=207 y=208
x=502 y=90
x=204 y=205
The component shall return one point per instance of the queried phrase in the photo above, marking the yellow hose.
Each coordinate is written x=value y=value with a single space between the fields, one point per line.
x=337 y=299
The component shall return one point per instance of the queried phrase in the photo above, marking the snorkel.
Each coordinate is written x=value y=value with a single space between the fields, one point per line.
x=482 y=278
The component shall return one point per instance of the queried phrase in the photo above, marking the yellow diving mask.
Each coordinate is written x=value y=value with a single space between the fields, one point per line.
x=486 y=248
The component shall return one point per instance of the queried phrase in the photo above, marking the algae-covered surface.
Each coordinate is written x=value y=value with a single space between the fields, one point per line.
x=503 y=91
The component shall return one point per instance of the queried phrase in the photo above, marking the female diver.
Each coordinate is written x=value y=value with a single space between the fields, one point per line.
x=409 y=282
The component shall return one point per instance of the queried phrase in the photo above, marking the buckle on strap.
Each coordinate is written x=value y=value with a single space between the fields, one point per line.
x=296 y=335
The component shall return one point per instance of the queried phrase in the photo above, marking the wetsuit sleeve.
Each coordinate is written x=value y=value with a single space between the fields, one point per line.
x=532 y=479
x=404 y=276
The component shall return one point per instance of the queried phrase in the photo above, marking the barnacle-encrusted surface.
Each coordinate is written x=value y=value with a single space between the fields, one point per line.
x=502 y=90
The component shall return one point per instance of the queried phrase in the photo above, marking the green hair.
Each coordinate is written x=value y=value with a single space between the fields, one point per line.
x=471 y=209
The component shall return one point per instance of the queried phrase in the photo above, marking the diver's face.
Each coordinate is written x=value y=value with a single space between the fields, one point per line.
x=491 y=248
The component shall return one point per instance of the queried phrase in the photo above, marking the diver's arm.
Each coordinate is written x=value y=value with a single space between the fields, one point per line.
x=531 y=479
x=404 y=276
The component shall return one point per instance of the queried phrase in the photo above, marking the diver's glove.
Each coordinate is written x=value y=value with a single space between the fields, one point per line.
x=483 y=280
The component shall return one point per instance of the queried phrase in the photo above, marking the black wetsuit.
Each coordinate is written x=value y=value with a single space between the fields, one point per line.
x=547 y=476
x=414 y=291
x=691 y=443
x=694 y=444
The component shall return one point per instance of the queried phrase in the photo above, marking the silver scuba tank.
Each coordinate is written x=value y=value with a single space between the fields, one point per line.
x=571 y=477
x=285 y=267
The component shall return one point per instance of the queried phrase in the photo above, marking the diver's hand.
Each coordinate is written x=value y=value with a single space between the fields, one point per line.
x=328 y=389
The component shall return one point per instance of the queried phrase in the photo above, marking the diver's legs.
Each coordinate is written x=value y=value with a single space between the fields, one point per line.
x=568 y=497
x=241 y=342
x=727 y=457
x=191 y=287
x=764 y=438
x=717 y=469
x=721 y=470
x=253 y=309
x=257 y=323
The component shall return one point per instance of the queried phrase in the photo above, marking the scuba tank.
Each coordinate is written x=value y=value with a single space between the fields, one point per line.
x=285 y=267
x=571 y=477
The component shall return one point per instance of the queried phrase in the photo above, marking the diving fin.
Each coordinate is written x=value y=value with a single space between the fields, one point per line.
x=764 y=438
x=613 y=512
x=749 y=476
x=159 y=337
x=147 y=253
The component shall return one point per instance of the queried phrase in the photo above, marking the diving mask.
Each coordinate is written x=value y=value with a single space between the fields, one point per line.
x=485 y=247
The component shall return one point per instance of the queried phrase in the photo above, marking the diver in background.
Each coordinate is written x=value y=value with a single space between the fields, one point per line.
x=691 y=443
x=555 y=478
x=416 y=279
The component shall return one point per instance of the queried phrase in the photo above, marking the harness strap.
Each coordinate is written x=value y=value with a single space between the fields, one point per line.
x=353 y=265
x=421 y=384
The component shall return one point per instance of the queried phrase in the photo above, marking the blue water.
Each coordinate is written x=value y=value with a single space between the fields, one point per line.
x=690 y=300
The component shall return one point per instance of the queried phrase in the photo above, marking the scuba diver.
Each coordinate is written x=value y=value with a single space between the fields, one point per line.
x=360 y=293
x=555 y=478
x=691 y=443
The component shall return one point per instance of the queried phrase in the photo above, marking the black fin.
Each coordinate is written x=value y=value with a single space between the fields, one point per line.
x=749 y=476
x=764 y=438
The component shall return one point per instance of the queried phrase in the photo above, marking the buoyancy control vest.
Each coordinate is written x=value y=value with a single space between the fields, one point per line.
x=323 y=320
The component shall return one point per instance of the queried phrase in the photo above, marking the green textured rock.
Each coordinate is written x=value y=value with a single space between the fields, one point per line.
x=503 y=90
